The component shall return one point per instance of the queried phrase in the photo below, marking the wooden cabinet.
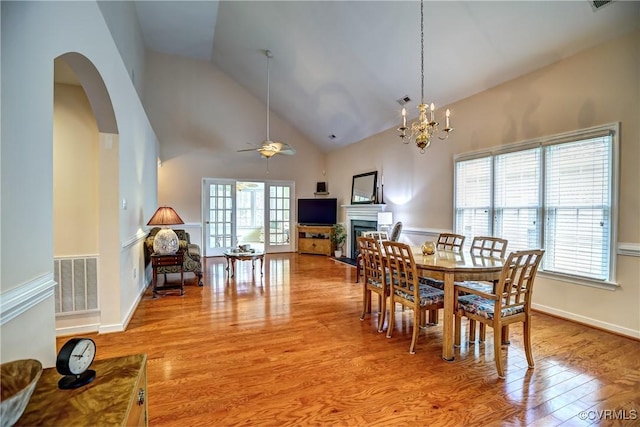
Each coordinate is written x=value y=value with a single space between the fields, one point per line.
x=315 y=239
x=117 y=396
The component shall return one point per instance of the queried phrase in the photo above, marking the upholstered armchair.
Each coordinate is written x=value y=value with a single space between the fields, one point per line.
x=192 y=260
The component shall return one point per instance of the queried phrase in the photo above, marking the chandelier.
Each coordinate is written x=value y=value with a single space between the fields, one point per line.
x=425 y=127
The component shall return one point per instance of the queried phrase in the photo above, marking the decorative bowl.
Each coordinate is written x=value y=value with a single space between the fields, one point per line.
x=19 y=379
x=428 y=248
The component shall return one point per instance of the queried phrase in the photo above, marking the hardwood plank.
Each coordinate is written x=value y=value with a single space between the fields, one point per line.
x=289 y=348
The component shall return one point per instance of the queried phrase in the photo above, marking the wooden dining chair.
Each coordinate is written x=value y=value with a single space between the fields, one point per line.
x=485 y=246
x=446 y=241
x=510 y=303
x=375 y=278
x=489 y=246
x=450 y=241
x=379 y=236
x=406 y=290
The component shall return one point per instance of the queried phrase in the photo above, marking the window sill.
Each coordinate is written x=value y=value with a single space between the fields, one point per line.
x=582 y=281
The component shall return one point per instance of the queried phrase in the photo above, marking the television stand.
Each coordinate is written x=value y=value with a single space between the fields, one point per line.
x=315 y=239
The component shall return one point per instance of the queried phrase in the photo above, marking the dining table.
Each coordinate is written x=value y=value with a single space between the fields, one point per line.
x=454 y=266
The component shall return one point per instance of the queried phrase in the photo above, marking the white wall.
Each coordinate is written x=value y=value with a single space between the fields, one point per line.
x=598 y=86
x=33 y=35
x=122 y=20
x=202 y=117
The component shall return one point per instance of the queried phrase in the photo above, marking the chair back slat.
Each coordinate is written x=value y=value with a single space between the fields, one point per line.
x=450 y=241
x=488 y=246
x=378 y=235
x=516 y=280
x=402 y=268
x=372 y=260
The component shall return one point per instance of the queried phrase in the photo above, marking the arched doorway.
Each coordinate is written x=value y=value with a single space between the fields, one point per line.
x=85 y=196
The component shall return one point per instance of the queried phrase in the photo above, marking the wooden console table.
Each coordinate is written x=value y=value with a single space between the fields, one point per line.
x=117 y=396
x=158 y=260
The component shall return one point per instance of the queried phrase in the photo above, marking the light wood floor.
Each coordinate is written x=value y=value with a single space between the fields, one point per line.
x=290 y=349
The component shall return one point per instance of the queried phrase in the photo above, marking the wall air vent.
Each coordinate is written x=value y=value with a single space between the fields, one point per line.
x=597 y=4
x=403 y=100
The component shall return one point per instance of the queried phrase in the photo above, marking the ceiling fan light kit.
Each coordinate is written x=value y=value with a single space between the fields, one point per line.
x=270 y=148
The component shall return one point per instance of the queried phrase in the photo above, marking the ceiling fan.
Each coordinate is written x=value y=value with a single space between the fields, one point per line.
x=270 y=148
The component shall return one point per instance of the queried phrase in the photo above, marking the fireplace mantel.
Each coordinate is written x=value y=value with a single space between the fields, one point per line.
x=364 y=212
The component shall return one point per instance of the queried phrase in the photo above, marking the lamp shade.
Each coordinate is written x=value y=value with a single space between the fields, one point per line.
x=165 y=241
x=385 y=218
x=165 y=215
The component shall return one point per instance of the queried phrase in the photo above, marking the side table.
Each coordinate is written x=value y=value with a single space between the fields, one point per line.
x=232 y=256
x=158 y=260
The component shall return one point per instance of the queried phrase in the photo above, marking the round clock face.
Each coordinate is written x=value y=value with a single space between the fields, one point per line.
x=76 y=356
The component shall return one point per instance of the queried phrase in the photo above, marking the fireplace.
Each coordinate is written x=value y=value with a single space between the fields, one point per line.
x=367 y=216
x=357 y=228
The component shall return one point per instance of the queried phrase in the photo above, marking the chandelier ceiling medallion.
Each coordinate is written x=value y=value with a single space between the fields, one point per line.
x=424 y=128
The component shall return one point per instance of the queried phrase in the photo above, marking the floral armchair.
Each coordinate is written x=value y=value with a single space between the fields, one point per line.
x=192 y=260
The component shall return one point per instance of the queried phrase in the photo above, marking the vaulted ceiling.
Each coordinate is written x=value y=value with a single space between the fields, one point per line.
x=339 y=67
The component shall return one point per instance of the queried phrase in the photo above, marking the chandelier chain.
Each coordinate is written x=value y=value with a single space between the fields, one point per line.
x=421 y=52
x=425 y=127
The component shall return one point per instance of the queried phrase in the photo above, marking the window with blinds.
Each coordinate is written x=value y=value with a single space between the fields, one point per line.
x=558 y=194
x=473 y=197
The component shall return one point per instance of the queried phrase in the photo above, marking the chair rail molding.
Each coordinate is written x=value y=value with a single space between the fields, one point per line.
x=629 y=249
x=22 y=298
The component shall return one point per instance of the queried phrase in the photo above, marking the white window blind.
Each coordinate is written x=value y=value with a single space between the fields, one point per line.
x=557 y=193
x=517 y=198
x=473 y=197
x=578 y=207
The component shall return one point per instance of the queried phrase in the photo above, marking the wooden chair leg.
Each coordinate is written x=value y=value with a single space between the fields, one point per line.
x=527 y=341
x=392 y=317
x=472 y=330
x=497 y=350
x=483 y=332
x=366 y=302
x=456 y=331
x=505 y=335
x=382 y=311
x=416 y=330
x=433 y=317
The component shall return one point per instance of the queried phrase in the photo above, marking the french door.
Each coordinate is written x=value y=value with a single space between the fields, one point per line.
x=220 y=216
x=279 y=230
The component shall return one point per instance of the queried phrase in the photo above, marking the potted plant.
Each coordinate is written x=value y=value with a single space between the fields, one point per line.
x=338 y=238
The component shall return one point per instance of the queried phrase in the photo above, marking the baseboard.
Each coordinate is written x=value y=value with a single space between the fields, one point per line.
x=77 y=330
x=586 y=321
x=121 y=327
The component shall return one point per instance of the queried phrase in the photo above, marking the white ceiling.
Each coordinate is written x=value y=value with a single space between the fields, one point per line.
x=340 y=66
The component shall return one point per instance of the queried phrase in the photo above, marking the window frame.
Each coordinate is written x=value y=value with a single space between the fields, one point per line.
x=612 y=130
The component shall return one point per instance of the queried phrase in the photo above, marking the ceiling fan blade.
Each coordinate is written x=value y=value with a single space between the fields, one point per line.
x=249 y=149
x=289 y=151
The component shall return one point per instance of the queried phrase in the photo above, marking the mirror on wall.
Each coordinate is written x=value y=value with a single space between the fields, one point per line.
x=363 y=188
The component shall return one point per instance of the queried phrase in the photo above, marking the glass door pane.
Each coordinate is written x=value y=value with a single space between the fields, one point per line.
x=220 y=218
x=279 y=217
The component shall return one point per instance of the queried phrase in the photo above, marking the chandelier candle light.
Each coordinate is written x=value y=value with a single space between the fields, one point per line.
x=165 y=241
x=423 y=129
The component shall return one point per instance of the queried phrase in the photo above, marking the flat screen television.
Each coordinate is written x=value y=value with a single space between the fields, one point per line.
x=317 y=211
